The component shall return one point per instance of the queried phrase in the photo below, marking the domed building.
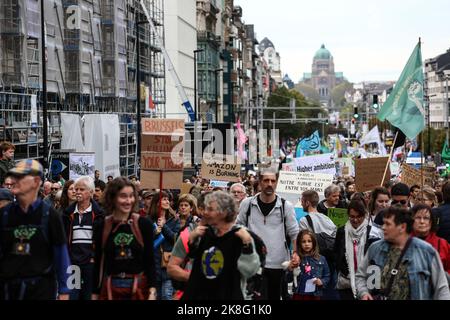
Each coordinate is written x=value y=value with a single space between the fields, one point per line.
x=323 y=78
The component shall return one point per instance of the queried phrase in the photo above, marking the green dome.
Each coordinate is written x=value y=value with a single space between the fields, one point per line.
x=322 y=54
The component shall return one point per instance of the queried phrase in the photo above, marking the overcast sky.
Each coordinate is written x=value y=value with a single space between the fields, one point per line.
x=369 y=40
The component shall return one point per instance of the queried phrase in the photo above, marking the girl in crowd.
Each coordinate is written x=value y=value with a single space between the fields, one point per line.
x=68 y=195
x=351 y=244
x=313 y=273
x=167 y=229
x=124 y=262
x=380 y=199
x=424 y=227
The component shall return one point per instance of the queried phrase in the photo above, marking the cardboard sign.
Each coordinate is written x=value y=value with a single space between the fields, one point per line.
x=297 y=182
x=323 y=163
x=412 y=176
x=339 y=216
x=162 y=126
x=171 y=179
x=222 y=171
x=160 y=143
x=160 y=161
x=369 y=173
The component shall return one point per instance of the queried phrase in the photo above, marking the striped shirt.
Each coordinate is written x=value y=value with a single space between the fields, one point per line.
x=81 y=248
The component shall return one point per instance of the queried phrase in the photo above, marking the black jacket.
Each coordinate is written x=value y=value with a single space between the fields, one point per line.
x=339 y=249
x=322 y=209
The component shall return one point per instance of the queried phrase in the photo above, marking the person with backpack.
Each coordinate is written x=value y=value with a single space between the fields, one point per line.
x=224 y=254
x=352 y=242
x=79 y=220
x=33 y=249
x=273 y=220
x=325 y=232
x=124 y=263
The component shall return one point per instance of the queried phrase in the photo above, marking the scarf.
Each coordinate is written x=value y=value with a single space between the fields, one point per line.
x=354 y=239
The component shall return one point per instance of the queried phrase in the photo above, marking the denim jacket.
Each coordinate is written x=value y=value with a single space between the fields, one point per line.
x=427 y=279
x=311 y=268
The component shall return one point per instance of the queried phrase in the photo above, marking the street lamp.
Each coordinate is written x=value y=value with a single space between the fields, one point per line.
x=138 y=90
x=195 y=81
x=44 y=88
x=217 y=95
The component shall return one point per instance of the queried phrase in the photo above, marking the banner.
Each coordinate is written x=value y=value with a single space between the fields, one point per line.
x=323 y=163
x=71 y=132
x=311 y=143
x=81 y=164
x=369 y=173
x=222 y=171
x=60 y=164
x=297 y=182
x=102 y=136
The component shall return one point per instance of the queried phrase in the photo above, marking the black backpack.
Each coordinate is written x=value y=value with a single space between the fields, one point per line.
x=324 y=241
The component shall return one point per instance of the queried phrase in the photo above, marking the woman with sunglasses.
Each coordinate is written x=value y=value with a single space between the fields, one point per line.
x=424 y=227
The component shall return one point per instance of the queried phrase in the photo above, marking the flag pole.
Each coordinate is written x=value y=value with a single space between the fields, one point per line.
x=421 y=162
x=389 y=160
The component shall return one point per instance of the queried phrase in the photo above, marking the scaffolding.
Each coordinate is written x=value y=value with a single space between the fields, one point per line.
x=91 y=68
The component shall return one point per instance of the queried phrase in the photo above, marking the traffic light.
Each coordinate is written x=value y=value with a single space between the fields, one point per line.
x=355 y=113
x=375 y=101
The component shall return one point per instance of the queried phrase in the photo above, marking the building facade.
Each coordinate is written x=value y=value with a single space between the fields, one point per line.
x=437 y=89
x=180 y=43
x=91 y=57
x=323 y=78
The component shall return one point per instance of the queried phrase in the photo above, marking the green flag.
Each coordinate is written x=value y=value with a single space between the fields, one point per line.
x=404 y=106
x=446 y=153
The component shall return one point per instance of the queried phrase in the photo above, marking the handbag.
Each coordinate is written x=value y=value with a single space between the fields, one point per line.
x=343 y=282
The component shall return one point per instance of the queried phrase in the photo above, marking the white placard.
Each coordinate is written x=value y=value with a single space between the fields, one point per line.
x=297 y=182
x=81 y=164
x=323 y=163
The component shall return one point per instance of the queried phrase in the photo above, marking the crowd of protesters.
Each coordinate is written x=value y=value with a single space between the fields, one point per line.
x=89 y=239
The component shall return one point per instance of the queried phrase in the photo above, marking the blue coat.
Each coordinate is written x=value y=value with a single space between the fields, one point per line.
x=312 y=268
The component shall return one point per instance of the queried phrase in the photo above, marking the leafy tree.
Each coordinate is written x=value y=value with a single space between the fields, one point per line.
x=338 y=93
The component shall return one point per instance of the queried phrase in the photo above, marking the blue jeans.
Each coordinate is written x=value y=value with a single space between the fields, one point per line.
x=87 y=283
x=165 y=290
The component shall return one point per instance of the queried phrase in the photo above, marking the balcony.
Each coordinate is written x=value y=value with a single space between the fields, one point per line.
x=208 y=36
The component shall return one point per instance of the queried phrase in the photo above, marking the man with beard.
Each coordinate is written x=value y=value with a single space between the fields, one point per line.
x=273 y=220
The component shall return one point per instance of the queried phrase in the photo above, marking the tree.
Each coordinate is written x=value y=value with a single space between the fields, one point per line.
x=338 y=93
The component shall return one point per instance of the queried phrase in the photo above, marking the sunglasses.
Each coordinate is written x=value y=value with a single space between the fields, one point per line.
x=402 y=202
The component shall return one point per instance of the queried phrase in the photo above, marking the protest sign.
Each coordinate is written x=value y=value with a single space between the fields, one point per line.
x=412 y=176
x=346 y=166
x=339 y=216
x=369 y=173
x=162 y=150
x=297 y=182
x=218 y=184
x=60 y=164
x=220 y=170
x=81 y=164
x=323 y=163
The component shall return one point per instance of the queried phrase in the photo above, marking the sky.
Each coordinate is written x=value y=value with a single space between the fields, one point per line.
x=369 y=40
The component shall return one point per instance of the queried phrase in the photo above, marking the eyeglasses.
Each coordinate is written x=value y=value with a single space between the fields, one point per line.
x=55 y=189
x=402 y=202
x=237 y=192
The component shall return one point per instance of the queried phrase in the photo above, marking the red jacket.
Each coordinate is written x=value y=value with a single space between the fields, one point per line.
x=442 y=246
